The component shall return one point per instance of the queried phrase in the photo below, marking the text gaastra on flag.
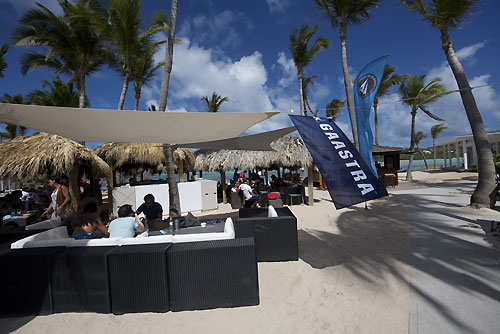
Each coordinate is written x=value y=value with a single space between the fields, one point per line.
x=348 y=177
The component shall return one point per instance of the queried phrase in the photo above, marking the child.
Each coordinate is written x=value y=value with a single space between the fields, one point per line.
x=89 y=225
x=126 y=225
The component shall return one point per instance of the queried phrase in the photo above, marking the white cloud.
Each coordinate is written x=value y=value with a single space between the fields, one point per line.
x=277 y=6
x=288 y=68
x=469 y=51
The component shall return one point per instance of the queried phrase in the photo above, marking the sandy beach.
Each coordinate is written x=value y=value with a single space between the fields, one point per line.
x=353 y=274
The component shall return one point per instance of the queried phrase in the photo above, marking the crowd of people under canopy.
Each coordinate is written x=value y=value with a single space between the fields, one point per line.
x=89 y=222
x=253 y=190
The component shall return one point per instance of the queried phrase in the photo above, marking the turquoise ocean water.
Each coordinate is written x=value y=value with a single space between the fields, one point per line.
x=417 y=165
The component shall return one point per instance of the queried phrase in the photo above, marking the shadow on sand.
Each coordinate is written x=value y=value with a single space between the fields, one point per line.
x=390 y=243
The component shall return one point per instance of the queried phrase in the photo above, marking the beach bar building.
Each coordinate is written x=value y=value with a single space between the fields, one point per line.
x=461 y=151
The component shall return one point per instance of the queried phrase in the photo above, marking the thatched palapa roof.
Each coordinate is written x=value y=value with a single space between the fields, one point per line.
x=127 y=156
x=289 y=152
x=141 y=156
x=41 y=154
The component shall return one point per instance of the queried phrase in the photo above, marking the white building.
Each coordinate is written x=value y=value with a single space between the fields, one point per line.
x=463 y=150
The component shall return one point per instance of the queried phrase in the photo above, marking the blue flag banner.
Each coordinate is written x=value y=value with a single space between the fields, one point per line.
x=365 y=88
x=348 y=177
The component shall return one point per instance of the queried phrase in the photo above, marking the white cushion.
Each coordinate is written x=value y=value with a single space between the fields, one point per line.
x=43 y=243
x=94 y=242
x=45 y=224
x=271 y=212
x=50 y=235
x=227 y=234
x=157 y=239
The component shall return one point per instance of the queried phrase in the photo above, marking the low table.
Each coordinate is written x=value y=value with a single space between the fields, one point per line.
x=293 y=196
x=194 y=229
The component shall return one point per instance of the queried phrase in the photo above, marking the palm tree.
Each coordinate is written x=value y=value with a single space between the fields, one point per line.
x=302 y=55
x=341 y=14
x=144 y=70
x=419 y=136
x=57 y=93
x=333 y=108
x=435 y=131
x=122 y=27
x=12 y=129
x=73 y=47
x=387 y=81
x=173 y=192
x=3 y=63
x=417 y=94
x=445 y=15
x=305 y=85
x=213 y=104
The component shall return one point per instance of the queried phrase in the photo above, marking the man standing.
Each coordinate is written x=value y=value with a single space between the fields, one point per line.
x=152 y=210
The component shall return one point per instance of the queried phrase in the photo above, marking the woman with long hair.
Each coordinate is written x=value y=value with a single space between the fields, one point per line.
x=60 y=199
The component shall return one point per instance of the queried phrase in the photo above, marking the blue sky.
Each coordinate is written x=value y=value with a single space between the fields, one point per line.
x=240 y=49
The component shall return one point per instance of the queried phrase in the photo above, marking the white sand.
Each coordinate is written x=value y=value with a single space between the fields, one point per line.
x=352 y=277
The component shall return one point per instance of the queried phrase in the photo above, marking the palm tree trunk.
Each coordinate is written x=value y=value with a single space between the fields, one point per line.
x=409 y=176
x=423 y=157
x=137 y=96
x=483 y=195
x=173 y=192
x=375 y=106
x=124 y=91
x=223 y=185
x=347 y=83
x=310 y=187
x=174 y=209
x=302 y=108
x=308 y=106
x=81 y=102
x=169 y=54
x=81 y=90
x=434 y=150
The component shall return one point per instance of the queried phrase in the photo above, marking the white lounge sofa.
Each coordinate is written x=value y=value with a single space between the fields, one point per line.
x=59 y=237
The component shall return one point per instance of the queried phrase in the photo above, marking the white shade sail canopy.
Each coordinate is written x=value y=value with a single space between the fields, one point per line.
x=257 y=142
x=131 y=126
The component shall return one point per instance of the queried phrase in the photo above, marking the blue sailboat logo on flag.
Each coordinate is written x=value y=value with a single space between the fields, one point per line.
x=348 y=177
x=365 y=88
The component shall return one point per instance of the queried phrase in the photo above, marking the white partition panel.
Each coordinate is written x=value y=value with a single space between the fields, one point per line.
x=194 y=196
x=190 y=196
x=159 y=191
x=123 y=195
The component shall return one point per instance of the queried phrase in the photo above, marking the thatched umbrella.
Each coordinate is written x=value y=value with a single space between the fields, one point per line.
x=183 y=158
x=289 y=152
x=41 y=154
x=132 y=157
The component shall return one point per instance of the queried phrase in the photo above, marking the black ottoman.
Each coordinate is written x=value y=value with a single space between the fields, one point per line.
x=212 y=274
x=25 y=281
x=79 y=277
x=138 y=278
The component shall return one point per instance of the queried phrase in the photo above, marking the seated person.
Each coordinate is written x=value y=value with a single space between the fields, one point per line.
x=126 y=224
x=88 y=224
x=249 y=194
x=296 y=180
x=377 y=165
x=152 y=210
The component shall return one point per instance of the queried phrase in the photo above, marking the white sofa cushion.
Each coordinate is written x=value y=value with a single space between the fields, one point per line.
x=94 y=242
x=157 y=239
x=54 y=234
x=227 y=234
x=45 y=224
x=271 y=212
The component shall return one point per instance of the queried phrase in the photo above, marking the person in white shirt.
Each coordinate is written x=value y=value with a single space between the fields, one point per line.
x=249 y=194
